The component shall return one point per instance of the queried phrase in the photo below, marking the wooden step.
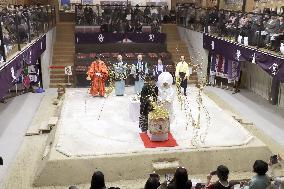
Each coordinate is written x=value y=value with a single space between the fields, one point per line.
x=63 y=55
x=63 y=64
x=62 y=59
x=64 y=51
x=55 y=85
x=62 y=46
x=57 y=71
x=67 y=44
x=63 y=38
x=70 y=45
x=61 y=80
x=54 y=76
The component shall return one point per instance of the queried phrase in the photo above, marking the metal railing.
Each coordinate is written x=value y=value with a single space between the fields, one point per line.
x=91 y=15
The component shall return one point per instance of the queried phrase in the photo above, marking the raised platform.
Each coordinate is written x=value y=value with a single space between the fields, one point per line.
x=112 y=143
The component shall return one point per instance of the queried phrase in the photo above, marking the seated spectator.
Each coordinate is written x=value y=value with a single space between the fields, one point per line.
x=129 y=27
x=88 y=13
x=198 y=186
x=222 y=173
x=73 y=187
x=121 y=26
x=260 y=180
x=152 y=182
x=180 y=180
x=114 y=26
x=147 y=11
x=138 y=27
x=154 y=12
x=155 y=28
x=104 y=27
x=98 y=181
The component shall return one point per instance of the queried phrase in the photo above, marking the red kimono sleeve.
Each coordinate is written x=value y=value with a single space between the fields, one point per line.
x=104 y=70
x=91 y=70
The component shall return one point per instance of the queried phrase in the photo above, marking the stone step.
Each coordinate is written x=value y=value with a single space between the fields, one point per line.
x=46 y=126
x=165 y=167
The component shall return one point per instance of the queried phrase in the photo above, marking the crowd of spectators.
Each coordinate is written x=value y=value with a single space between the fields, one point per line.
x=265 y=30
x=120 y=19
x=22 y=23
x=264 y=178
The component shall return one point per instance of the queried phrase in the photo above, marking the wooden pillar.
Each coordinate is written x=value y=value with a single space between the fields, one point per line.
x=218 y=5
x=173 y=4
x=249 y=4
x=274 y=92
x=204 y=3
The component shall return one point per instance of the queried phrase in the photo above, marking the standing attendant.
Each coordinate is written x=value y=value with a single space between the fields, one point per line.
x=159 y=68
x=120 y=69
x=182 y=73
x=139 y=71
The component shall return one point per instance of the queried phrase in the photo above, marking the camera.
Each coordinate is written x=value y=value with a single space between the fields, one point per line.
x=168 y=178
x=154 y=175
x=274 y=159
x=213 y=173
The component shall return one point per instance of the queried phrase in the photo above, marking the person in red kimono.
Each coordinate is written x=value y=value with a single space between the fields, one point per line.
x=98 y=74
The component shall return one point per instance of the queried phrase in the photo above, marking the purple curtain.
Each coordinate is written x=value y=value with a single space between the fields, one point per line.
x=9 y=75
x=273 y=65
x=104 y=38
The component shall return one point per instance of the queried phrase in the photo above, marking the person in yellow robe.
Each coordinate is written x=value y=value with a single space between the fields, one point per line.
x=182 y=73
x=98 y=74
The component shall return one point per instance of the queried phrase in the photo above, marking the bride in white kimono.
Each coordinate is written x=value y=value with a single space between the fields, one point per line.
x=166 y=91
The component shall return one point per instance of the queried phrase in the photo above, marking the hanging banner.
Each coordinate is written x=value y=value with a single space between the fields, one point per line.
x=68 y=70
x=22 y=63
x=272 y=64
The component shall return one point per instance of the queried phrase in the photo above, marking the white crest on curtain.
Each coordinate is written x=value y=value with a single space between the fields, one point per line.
x=101 y=38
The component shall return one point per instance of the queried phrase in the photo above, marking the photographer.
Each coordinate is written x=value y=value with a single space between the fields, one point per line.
x=222 y=173
x=180 y=180
x=276 y=168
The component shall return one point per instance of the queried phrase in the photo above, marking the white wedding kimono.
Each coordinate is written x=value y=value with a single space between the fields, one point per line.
x=166 y=93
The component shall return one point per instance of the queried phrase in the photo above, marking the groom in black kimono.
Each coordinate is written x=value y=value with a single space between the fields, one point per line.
x=149 y=95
